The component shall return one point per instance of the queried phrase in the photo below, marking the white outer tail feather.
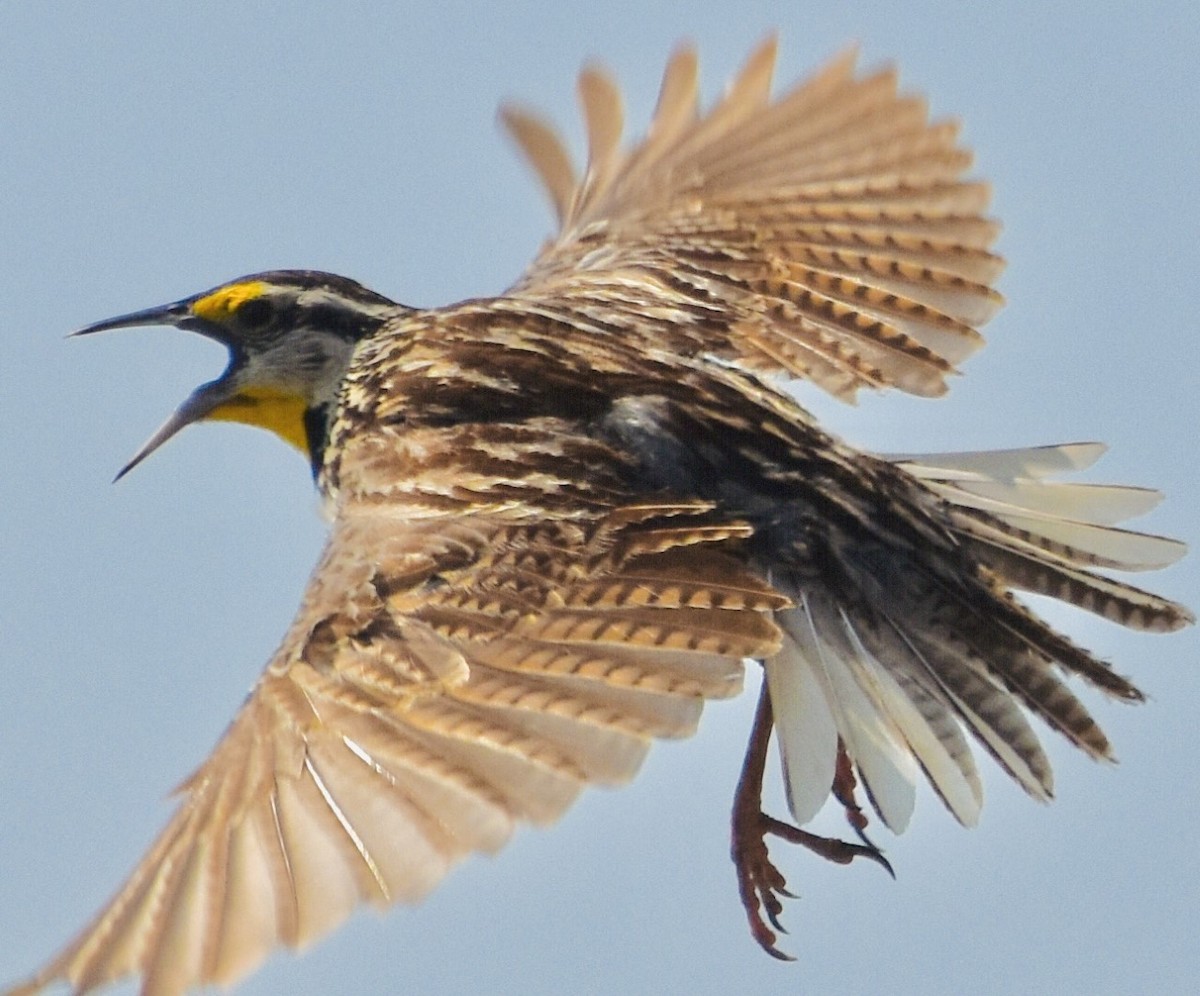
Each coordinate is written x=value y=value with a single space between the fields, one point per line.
x=828 y=683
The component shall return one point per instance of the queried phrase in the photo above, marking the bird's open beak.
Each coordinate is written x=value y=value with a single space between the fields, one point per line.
x=202 y=401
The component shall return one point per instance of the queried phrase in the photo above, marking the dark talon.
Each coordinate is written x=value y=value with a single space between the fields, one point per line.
x=760 y=884
x=773 y=916
x=862 y=835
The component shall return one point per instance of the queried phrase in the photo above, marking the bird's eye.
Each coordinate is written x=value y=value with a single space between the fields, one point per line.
x=255 y=314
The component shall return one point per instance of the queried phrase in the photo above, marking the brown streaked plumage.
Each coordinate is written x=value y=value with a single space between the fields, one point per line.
x=563 y=517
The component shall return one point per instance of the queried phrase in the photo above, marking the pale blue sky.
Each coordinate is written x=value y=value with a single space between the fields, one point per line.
x=153 y=149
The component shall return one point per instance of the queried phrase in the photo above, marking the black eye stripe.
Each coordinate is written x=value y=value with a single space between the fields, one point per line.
x=256 y=313
x=344 y=322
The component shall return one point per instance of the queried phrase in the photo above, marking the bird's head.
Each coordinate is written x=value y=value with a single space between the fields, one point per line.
x=290 y=334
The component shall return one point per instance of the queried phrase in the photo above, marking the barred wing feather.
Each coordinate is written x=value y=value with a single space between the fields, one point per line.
x=435 y=690
x=826 y=234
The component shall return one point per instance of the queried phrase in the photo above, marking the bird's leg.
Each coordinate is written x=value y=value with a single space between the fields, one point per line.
x=760 y=884
x=844 y=786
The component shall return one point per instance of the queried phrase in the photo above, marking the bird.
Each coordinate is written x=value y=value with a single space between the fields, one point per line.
x=565 y=517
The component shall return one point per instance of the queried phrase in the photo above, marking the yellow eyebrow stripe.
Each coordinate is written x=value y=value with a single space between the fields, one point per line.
x=220 y=305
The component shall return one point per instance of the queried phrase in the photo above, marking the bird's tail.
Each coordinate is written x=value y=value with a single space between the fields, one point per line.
x=898 y=650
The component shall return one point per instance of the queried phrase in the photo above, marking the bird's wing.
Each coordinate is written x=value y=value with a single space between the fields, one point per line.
x=826 y=234
x=452 y=671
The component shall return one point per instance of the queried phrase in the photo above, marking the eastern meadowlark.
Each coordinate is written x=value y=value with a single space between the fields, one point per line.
x=563 y=518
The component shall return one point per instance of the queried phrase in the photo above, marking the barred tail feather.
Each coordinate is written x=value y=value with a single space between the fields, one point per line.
x=870 y=734
x=901 y=640
x=1042 y=536
x=910 y=692
x=804 y=728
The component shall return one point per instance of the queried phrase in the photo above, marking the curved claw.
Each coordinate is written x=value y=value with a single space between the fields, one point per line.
x=773 y=915
x=761 y=886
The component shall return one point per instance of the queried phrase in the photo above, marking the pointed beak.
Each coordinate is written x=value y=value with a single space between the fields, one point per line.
x=204 y=400
x=200 y=403
x=178 y=314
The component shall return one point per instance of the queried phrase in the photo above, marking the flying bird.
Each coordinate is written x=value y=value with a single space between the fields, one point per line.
x=565 y=517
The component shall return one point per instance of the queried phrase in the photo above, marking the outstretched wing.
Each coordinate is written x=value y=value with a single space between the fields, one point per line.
x=826 y=234
x=455 y=668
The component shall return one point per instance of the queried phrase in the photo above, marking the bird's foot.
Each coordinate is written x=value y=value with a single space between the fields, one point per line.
x=761 y=885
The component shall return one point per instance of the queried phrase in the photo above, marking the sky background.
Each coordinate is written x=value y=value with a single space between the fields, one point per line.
x=149 y=150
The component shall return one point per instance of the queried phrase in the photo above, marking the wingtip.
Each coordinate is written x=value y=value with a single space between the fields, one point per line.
x=543 y=151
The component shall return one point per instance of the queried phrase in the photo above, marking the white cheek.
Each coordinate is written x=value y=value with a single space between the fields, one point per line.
x=311 y=368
